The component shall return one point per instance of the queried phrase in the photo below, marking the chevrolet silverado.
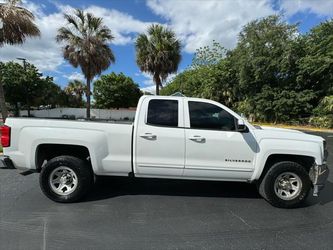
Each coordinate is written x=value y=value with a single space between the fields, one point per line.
x=171 y=137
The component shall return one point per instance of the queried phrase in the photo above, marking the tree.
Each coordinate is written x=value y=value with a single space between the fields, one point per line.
x=17 y=23
x=274 y=74
x=264 y=55
x=326 y=105
x=86 y=41
x=27 y=86
x=76 y=90
x=116 y=91
x=53 y=95
x=266 y=60
x=211 y=82
x=278 y=105
x=316 y=66
x=158 y=53
x=210 y=76
x=323 y=113
x=208 y=55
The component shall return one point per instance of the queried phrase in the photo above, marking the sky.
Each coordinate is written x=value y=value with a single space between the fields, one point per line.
x=196 y=23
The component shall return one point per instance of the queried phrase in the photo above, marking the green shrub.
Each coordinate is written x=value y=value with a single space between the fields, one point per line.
x=325 y=121
x=325 y=106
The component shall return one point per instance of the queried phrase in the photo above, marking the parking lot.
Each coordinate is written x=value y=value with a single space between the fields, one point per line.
x=123 y=213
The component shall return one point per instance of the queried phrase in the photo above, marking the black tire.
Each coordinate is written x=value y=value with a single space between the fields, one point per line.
x=81 y=169
x=267 y=184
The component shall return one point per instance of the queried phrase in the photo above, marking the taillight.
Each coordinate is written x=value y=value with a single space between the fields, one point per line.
x=5 y=136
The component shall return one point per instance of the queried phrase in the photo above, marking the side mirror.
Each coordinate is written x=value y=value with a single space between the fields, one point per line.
x=241 y=127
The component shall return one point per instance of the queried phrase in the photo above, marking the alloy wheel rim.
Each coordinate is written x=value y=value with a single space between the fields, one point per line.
x=63 y=180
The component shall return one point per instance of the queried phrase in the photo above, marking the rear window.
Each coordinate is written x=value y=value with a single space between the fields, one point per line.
x=163 y=113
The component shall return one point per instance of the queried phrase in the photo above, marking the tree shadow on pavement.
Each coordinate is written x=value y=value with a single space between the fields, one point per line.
x=107 y=187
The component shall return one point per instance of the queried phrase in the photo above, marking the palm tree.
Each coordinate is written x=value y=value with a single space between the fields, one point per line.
x=158 y=53
x=16 y=24
x=77 y=89
x=86 y=41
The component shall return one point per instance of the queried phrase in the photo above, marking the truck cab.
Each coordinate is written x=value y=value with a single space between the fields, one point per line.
x=192 y=138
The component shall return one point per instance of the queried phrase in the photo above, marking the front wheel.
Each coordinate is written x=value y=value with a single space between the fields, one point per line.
x=65 y=179
x=286 y=184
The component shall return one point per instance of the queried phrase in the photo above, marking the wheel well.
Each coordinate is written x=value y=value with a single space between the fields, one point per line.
x=45 y=152
x=305 y=161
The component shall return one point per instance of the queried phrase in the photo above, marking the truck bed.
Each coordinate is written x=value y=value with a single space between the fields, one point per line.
x=109 y=143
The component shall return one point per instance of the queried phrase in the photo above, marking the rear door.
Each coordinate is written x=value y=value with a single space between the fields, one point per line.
x=160 y=138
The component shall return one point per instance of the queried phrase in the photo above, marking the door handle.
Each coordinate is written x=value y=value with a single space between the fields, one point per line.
x=197 y=138
x=148 y=136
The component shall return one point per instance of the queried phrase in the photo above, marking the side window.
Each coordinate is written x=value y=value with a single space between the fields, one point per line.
x=208 y=116
x=163 y=113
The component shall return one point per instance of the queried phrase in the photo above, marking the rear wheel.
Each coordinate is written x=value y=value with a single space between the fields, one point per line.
x=286 y=184
x=65 y=179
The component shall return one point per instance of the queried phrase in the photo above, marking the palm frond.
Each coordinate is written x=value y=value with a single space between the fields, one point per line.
x=18 y=23
x=72 y=20
x=158 y=52
x=86 y=41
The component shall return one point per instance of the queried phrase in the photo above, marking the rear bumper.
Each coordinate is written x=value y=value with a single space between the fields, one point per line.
x=318 y=175
x=6 y=163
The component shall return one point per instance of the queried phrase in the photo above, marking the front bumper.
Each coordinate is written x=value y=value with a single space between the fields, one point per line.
x=6 y=162
x=318 y=175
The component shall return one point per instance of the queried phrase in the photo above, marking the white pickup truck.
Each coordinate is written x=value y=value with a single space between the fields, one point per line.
x=171 y=137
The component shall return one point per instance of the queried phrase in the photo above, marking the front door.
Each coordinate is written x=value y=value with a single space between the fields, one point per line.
x=214 y=147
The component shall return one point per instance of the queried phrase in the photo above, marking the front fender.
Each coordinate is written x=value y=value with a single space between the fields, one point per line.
x=283 y=146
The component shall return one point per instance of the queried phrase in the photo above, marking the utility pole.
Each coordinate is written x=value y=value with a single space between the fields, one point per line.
x=24 y=62
x=26 y=87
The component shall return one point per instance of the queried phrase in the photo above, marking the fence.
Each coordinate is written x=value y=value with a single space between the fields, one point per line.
x=80 y=113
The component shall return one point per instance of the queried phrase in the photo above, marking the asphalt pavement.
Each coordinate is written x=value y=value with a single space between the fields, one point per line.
x=123 y=213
